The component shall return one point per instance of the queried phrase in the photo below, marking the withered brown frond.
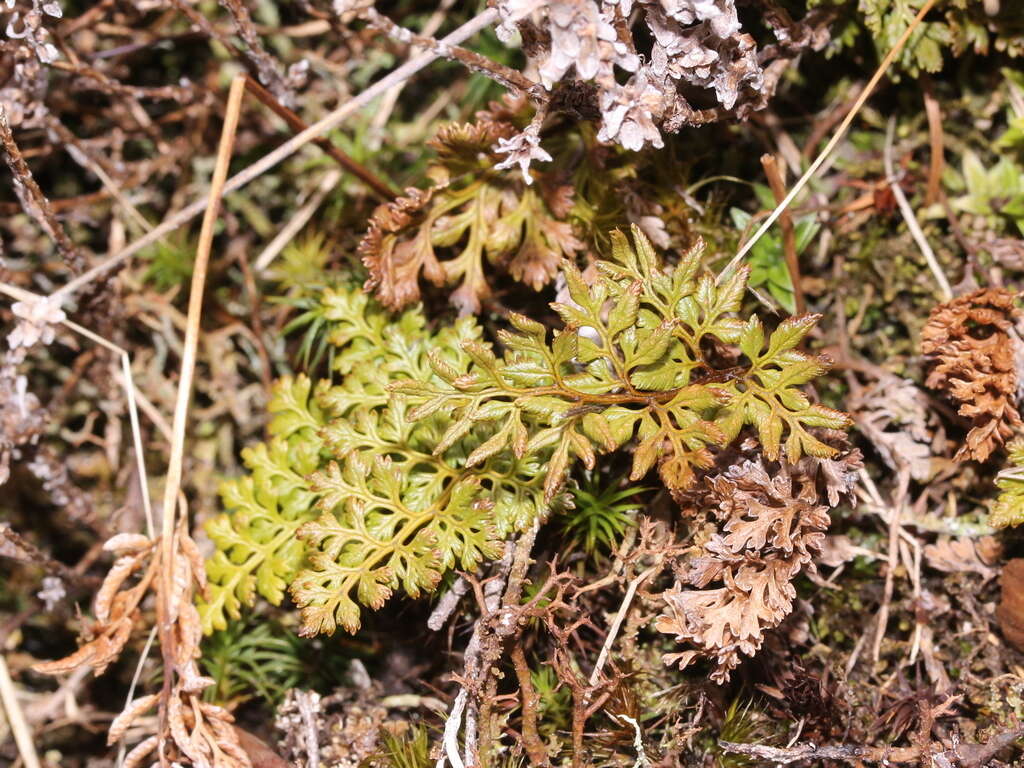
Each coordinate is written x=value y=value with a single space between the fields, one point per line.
x=770 y=520
x=970 y=345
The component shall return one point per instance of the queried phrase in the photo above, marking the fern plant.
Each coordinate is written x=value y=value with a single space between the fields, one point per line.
x=430 y=450
x=1008 y=510
x=631 y=363
x=253 y=659
x=348 y=502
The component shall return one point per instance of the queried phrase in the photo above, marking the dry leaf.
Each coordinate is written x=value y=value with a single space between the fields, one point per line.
x=771 y=524
x=472 y=223
x=894 y=415
x=964 y=555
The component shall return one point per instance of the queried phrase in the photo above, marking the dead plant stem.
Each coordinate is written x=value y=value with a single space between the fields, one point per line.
x=895 y=528
x=908 y=214
x=133 y=396
x=188 y=364
x=613 y=630
x=778 y=186
x=936 y=141
x=532 y=742
x=378 y=186
x=16 y=718
x=505 y=76
x=32 y=198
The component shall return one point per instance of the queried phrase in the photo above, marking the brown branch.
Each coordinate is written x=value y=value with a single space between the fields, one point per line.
x=535 y=748
x=32 y=199
x=294 y=122
x=268 y=68
x=112 y=87
x=328 y=122
x=936 y=142
x=830 y=120
x=14 y=546
x=506 y=76
x=800 y=752
x=962 y=755
x=256 y=322
x=778 y=185
x=380 y=187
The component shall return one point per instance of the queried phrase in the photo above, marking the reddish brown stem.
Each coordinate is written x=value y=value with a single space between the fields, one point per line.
x=34 y=201
x=936 y=143
x=297 y=125
x=775 y=181
x=535 y=749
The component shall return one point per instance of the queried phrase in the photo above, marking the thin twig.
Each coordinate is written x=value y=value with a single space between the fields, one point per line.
x=389 y=99
x=298 y=220
x=505 y=76
x=16 y=718
x=447 y=604
x=286 y=150
x=131 y=393
x=122 y=748
x=833 y=142
x=32 y=198
x=613 y=631
x=895 y=529
x=78 y=153
x=963 y=755
x=268 y=68
x=909 y=217
x=936 y=141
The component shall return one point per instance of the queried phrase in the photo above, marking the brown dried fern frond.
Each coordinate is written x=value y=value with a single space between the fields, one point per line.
x=770 y=520
x=970 y=343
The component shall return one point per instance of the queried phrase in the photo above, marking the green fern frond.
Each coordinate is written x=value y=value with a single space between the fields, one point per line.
x=630 y=365
x=256 y=538
x=430 y=449
x=395 y=510
x=1008 y=510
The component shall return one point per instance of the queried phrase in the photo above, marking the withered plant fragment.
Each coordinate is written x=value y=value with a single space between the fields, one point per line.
x=116 y=607
x=487 y=219
x=770 y=520
x=192 y=731
x=694 y=46
x=973 y=352
x=964 y=555
x=893 y=414
x=1010 y=612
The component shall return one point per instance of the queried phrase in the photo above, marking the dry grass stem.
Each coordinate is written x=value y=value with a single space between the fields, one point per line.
x=16 y=718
